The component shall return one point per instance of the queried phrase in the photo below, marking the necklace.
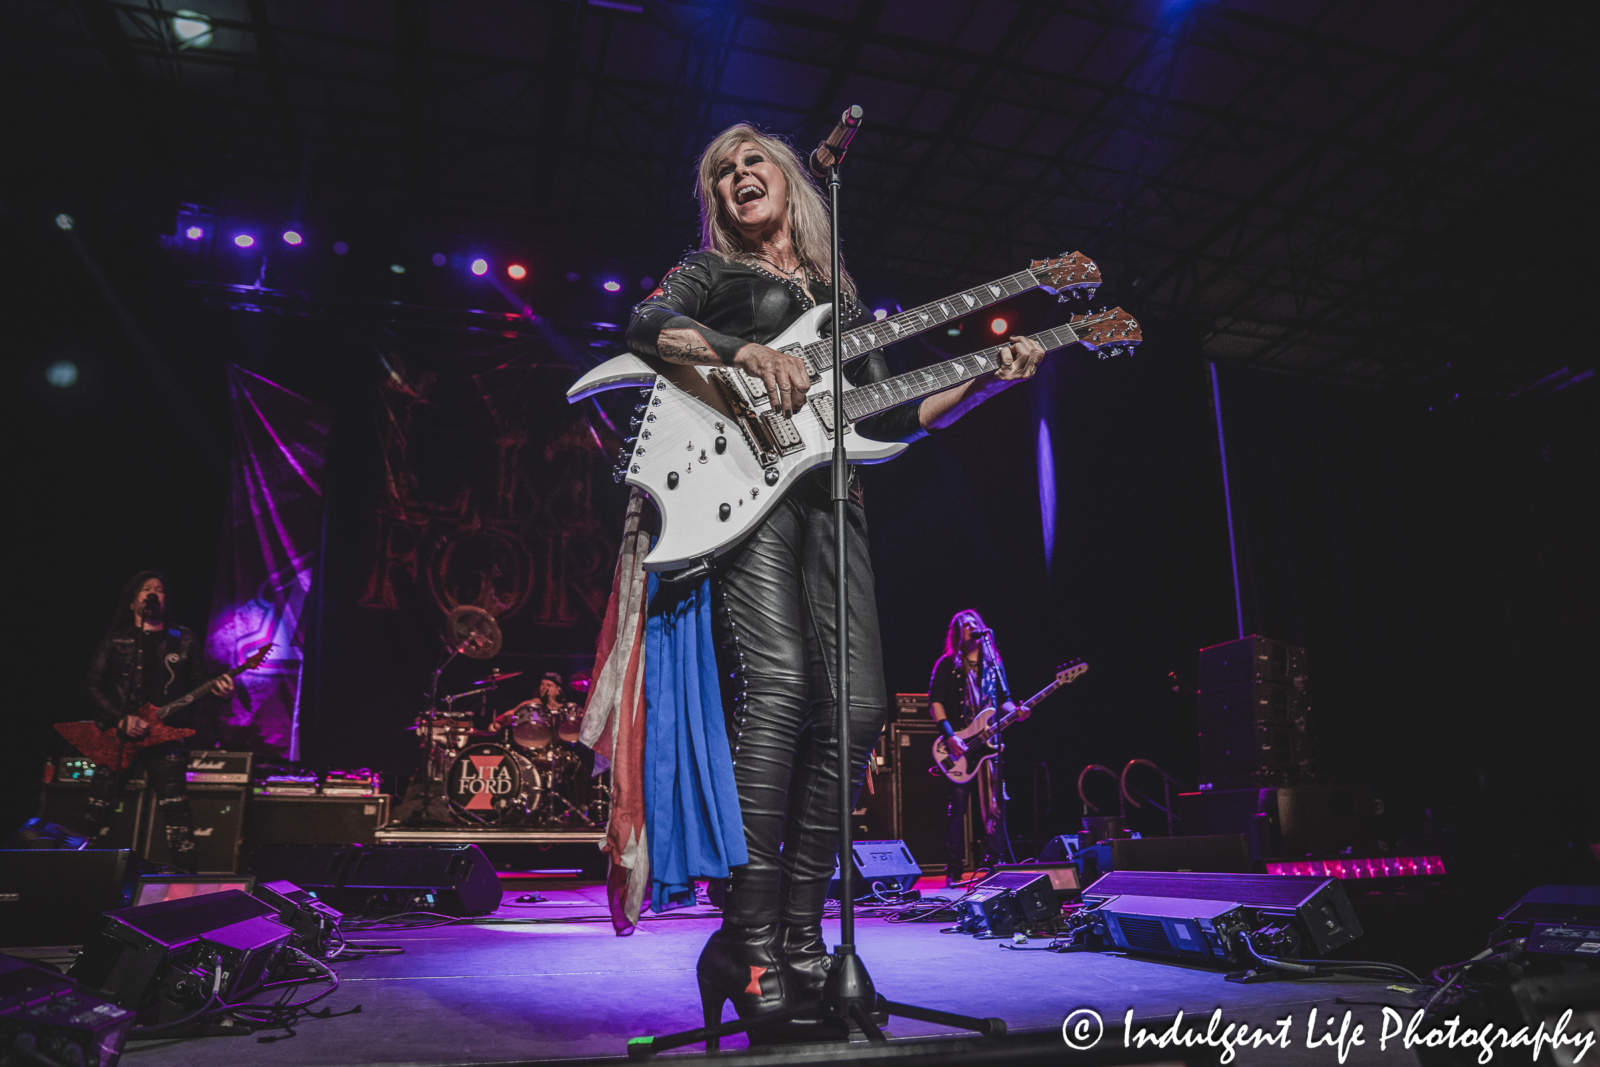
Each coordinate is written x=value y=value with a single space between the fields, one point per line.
x=790 y=282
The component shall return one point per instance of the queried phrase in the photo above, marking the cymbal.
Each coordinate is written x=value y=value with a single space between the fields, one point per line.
x=497 y=676
x=473 y=632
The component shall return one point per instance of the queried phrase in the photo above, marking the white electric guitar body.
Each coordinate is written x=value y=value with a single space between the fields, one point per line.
x=714 y=456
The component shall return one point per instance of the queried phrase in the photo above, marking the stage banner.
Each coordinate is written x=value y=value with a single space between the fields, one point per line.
x=492 y=492
x=269 y=551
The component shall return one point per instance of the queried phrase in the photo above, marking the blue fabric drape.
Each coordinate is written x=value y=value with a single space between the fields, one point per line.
x=691 y=803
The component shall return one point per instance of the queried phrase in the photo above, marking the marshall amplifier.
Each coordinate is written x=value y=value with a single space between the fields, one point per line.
x=218 y=813
x=214 y=767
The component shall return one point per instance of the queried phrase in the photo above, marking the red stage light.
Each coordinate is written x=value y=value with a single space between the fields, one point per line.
x=517 y=272
x=999 y=327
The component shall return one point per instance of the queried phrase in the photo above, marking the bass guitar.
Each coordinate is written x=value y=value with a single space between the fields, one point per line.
x=714 y=457
x=112 y=748
x=979 y=735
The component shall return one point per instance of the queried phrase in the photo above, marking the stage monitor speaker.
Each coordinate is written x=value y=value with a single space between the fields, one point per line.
x=1226 y=853
x=279 y=820
x=1062 y=848
x=56 y=896
x=1064 y=878
x=1250 y=658
x=156 y=958
x=453 y=879
x=1318 y=905
x=887 y=863
x=923 y=798
x=312 y=921
x=217 y=813
x=49 y=1018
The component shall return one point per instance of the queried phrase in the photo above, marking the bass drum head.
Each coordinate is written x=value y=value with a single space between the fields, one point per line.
x=494 y=784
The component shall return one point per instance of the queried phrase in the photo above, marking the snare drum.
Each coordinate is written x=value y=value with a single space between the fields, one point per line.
x=494 y=783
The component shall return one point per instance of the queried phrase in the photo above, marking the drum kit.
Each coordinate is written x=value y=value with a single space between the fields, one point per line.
x=527 y=768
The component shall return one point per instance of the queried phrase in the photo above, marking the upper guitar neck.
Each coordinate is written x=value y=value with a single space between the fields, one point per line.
x=891 y=328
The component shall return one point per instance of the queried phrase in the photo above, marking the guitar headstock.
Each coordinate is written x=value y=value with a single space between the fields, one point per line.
x=1068 y=274
x=1071 y=672
x=255 y=659
x=1109 y=333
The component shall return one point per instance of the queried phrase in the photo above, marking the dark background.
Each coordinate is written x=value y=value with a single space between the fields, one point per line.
x=1389 y=283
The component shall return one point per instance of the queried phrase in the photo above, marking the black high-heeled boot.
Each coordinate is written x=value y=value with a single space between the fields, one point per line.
x=805 y=953
x=743 y=963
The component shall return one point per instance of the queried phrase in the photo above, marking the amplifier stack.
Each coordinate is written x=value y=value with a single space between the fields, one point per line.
x=1254 y=714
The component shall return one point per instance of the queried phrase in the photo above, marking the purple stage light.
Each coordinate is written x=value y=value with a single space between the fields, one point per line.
x=480 y=267
x=438 y=259
x=244 y=240
x=194 y=233
x=647 y=284
x=572 y=275
x=880 y=313
x=612 y=287
x=1047 y=491
x=340 y=248
x=292 y=237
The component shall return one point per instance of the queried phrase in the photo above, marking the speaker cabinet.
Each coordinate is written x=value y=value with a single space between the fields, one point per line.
x=67 y=803
x=56 y=896
x=218 y=813
x=453 y=879
x=877 y=802
x=922 y=798
x=313 y=821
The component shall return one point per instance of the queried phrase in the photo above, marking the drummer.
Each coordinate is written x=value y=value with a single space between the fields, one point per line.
x=564 y=717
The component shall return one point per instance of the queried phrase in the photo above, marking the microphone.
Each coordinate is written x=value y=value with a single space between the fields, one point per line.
x=151 y=604
x=830 y=153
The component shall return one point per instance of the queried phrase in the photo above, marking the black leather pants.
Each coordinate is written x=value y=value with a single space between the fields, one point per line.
x=776 y=636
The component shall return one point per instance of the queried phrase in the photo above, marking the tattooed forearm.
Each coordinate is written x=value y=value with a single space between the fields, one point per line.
x=685 y=346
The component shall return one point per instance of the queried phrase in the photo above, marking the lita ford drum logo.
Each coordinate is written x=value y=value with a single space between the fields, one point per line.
x=483 y=778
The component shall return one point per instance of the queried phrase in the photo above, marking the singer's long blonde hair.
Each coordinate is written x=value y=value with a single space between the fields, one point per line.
x=810 y=229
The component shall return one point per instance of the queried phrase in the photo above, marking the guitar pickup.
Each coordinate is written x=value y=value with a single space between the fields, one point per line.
x=823 y=406
x=780 y=432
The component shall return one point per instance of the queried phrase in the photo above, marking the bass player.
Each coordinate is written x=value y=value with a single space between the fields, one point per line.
x=969 y=677
x=142 y=660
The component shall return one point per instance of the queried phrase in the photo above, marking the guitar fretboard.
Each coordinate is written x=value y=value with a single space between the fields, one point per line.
x=916 y=384
x=863 y=339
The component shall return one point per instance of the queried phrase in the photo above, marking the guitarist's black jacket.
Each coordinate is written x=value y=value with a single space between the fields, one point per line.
x=732 y=304
x=127 y=673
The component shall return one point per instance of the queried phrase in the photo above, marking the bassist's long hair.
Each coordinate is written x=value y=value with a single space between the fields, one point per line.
x=952 y=635
x=810 y=229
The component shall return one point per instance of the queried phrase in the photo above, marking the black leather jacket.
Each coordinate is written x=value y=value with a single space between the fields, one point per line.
x=732 y=304
x=116 y=672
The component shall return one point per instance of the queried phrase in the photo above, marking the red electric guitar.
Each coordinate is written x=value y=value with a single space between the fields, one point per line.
x=112 y=748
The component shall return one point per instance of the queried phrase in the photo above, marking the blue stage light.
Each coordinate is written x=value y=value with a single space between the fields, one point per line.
x=398 y=268
x=64 y=221
x=63 y=374
x=480 y=267
x=439 y=259
x=292 y=237
x=244 y=240
x=880 y=313
x=612 y=287
x=194 y=233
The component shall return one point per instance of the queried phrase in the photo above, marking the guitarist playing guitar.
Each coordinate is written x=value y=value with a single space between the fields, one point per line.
x=969 y=677
x=143 y=661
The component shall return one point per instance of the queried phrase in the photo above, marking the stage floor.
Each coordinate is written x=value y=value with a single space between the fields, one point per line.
x=567 y=987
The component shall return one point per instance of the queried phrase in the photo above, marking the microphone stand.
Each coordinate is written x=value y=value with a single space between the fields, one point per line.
x=848 y=997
